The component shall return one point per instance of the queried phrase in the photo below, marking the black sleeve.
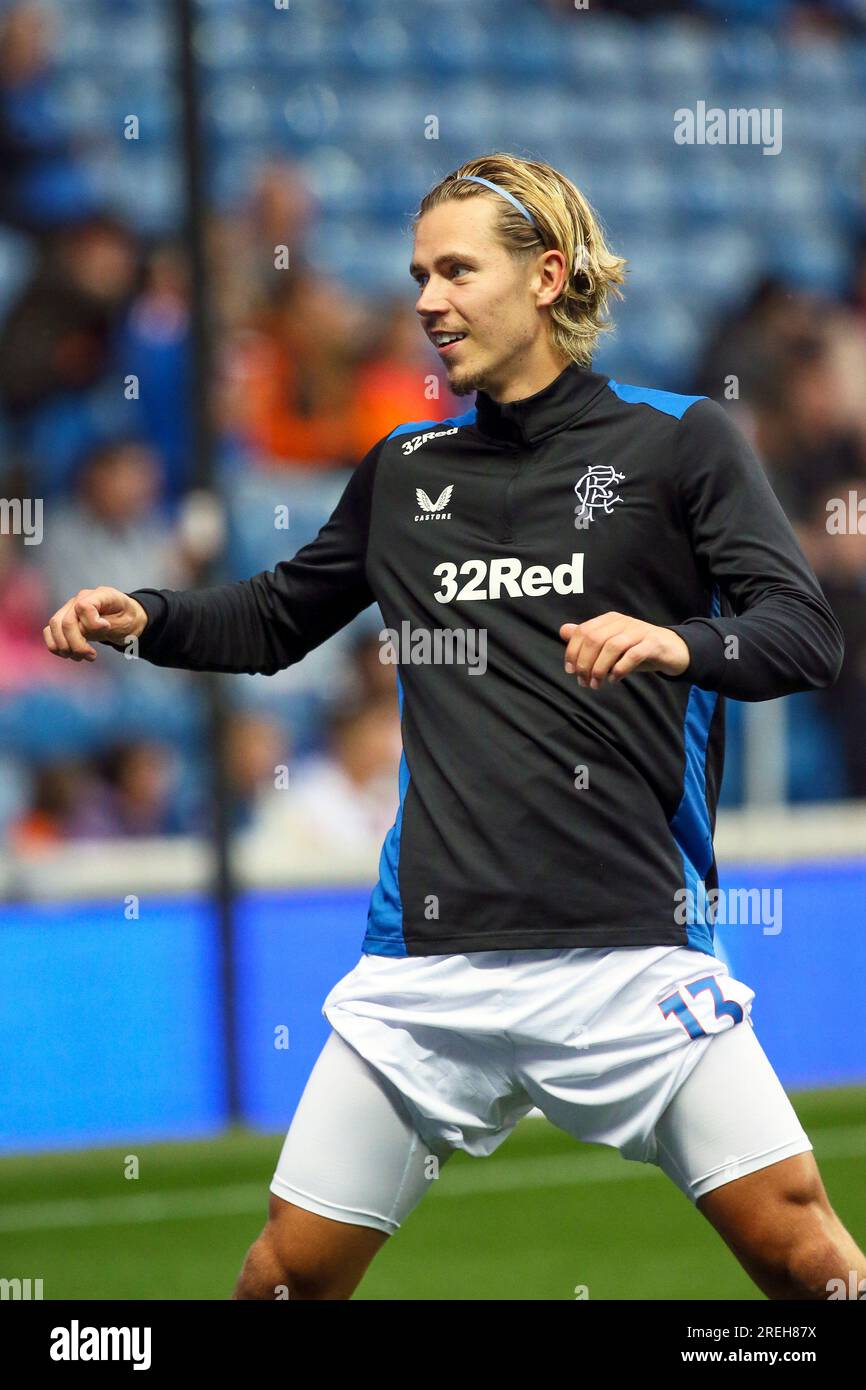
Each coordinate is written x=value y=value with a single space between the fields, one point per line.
x=266 y=623
x=787 y=637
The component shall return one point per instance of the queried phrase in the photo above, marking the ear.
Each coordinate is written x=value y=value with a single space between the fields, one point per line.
x=552 y=274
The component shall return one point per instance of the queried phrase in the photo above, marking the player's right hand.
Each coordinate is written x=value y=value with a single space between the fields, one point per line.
x=93 y=615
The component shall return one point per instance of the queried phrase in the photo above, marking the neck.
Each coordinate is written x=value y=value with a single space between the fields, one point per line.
x=529 y=375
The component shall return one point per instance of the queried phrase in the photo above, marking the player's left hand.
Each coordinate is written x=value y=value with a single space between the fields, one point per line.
x=613 y=645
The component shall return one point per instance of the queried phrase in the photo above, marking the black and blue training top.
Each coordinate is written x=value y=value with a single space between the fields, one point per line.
x=534 y=812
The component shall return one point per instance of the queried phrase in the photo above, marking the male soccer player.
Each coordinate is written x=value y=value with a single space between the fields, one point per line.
x=537 y=936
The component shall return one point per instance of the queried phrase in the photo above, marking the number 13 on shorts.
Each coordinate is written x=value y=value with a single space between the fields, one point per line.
x=704 y=1005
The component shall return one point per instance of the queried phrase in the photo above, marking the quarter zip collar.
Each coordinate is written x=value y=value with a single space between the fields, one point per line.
x=531 y=419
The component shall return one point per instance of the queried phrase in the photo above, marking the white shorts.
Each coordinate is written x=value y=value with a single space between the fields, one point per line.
x=649 y=1050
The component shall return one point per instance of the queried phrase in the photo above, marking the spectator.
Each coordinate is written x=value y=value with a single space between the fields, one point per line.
x=57 y=793
x=130 y=794
x=804 y=433
x=346 y=798
x=400 y=380
x=293 y=384
x=372 y=677
x=244 y=242
x=113 y=532
x=58 y=336
x=256 y=752
x=43 y=181
x=153 y=345
x=839 y=559
x=24 y=658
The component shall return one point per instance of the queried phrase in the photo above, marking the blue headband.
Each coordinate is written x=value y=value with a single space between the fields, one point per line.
x=476 y=178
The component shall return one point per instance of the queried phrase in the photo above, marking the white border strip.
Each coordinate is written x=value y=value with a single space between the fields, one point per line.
x=817 y=832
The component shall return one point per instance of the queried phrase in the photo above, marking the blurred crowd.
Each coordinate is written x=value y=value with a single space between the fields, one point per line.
x=791 y=366
x=95 y=352
x=140 y=787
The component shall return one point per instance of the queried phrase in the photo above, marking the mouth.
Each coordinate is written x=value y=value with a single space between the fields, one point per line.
x=445 y=343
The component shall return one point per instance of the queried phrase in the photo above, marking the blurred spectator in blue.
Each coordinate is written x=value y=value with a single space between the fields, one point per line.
x=153 y=347
x=43 y=182
x=113 y=532
x=125 y=790
x=129 y=793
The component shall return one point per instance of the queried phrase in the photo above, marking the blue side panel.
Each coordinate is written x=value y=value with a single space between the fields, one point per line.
x=467 y=419
x=691 y=822
x=384 y=935
x=666 y=401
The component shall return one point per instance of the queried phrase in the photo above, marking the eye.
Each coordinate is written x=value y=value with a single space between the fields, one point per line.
x=458 y=268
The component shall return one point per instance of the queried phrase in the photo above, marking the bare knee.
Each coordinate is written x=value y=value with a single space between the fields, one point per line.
x=302 y=1256
x=780 y=1225
x=821 y=1251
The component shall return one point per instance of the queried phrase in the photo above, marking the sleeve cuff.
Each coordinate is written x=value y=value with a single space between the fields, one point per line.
x=156 y=608
x=706 y=656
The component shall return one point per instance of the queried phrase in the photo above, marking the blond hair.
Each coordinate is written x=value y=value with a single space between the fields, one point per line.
x=563 y=221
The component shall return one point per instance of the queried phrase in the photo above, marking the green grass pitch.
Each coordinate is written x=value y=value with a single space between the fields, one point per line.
x=541 y=1218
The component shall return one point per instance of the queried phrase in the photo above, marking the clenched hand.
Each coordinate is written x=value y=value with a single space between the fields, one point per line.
x=613 y=645
x=93 y=615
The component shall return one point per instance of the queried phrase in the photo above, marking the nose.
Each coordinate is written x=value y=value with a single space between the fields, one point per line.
x=431 y=301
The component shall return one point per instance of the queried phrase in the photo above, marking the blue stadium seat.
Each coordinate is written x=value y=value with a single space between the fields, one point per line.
x=230 y=41
x=745 y=60
x=255 y=542
x=604 y=56
x=678 y=57
x=527 y=49
x=338 y=182
x=235 y=109
x=451 y=51
x=815 y=259
x=379 y=46
x=148 y=191
x=818 y=71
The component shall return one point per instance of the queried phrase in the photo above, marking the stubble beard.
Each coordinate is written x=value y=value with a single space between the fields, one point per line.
x=463 y=384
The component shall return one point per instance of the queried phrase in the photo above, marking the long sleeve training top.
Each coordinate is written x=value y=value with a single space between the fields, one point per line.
x=533 y=812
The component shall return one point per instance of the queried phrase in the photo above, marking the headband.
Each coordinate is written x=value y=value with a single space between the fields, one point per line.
x=515 y=202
